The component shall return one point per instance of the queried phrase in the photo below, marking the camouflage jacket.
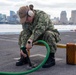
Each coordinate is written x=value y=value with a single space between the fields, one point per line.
x=40 y=24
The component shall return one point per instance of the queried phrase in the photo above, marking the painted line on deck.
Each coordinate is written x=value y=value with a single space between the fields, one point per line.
x=41 y=55
x=9 y=40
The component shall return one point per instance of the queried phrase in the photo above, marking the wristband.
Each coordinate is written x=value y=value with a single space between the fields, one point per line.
x=30 y=43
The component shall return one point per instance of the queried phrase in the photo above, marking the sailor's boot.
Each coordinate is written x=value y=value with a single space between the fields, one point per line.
x=50 y=61
x=22 y=61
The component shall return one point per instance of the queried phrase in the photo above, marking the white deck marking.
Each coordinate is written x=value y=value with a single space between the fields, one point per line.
x=9 y=40
x=57 y=59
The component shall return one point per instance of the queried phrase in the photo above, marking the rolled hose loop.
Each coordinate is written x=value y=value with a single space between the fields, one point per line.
x=33 y=69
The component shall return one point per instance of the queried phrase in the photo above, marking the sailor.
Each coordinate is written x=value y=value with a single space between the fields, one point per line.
x=37 y=25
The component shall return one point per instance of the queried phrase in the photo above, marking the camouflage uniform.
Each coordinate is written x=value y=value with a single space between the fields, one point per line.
x=40 y=29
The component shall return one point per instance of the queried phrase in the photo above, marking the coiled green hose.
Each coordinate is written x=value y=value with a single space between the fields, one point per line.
x=33 y=69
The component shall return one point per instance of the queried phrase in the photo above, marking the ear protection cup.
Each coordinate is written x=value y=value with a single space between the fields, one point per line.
x=30 y=13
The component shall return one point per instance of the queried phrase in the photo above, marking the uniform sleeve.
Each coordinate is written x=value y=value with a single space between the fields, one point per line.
x=24 y=35
x=41 y=26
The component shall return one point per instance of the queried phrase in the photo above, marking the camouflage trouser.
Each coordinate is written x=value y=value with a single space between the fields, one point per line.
x=48 y=36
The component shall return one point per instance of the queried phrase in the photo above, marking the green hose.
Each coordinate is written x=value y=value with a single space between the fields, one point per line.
x=33 y=69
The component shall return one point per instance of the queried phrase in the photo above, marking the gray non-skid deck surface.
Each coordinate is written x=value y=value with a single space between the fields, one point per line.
x=9 y=52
